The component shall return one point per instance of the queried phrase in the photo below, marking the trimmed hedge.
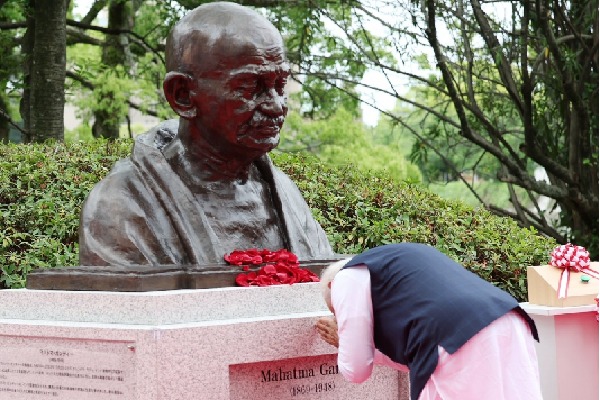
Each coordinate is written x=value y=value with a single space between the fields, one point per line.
x=42 y=188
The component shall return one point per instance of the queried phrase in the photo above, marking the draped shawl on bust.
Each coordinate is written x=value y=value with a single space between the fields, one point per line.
x=142 y=213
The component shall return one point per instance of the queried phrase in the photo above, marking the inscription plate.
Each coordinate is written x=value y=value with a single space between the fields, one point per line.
x=47 y=368
x=307 y=378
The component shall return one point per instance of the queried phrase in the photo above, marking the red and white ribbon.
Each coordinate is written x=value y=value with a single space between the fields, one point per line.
x=570 y=258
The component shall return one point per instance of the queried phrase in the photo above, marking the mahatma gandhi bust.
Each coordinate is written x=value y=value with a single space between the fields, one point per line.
x=202 y=186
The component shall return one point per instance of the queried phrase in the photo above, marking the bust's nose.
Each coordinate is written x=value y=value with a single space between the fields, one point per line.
x=272 y=103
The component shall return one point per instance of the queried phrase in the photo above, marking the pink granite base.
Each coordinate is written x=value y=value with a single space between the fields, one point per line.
x=313 y=377
x=210 y=353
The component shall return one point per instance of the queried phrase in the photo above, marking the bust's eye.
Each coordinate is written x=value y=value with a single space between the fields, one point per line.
x=247 y=89
x=280 y=85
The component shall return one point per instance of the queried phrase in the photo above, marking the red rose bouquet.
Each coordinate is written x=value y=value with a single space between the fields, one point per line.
x=280 y=267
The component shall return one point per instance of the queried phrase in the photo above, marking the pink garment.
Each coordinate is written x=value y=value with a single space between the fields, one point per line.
x=499 y=363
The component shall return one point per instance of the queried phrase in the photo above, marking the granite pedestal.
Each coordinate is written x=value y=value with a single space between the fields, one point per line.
x=213 y=344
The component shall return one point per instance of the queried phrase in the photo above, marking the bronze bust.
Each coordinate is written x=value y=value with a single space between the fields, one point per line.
x=202 y=186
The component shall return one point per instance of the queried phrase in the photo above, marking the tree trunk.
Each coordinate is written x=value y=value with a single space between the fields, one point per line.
x=27 y=51
x=48 y=63
x=114 y=53
x=3 y=121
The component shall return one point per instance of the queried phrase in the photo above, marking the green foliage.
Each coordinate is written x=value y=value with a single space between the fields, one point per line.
x=10 y=60
x=341 y=139
x=490 y=191
x=113 y=88
x=42 y=188
x=81 y=133
x=361 y=210
x=314 y=42
x=446 y=147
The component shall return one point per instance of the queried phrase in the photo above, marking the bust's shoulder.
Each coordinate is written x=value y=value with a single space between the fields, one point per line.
x=116 y=184
x=160 y=135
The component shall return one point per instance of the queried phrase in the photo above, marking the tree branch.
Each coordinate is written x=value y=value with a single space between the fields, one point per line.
x=7 y=117
x=495 y=49
x=89 y=85
x=567 y=80
x=96 y=7
x=5 y=26
x=138 y=39
x=331 y=78
x=421 y=138
x=459 y=107
x=76 y=35
x=545 y=229
x=141 y=41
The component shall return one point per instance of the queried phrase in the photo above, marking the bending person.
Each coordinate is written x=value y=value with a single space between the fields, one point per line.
x=411 y=307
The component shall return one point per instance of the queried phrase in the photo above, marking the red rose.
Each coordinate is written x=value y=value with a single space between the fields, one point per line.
x=242 y=280
x=282 y=267
x=268 y=269
x=236 y=257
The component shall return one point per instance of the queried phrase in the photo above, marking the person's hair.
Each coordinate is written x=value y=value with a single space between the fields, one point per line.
x=327 y=276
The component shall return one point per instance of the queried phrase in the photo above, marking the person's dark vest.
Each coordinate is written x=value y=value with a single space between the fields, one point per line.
x=422 y=299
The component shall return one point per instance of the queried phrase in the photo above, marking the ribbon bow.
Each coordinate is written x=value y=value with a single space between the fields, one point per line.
x=570 y=258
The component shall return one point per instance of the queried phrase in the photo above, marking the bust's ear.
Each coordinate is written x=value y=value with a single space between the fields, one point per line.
x=178 y=88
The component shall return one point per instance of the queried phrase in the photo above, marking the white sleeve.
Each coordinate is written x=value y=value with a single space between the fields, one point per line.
x=351 y=300
x=353 y=308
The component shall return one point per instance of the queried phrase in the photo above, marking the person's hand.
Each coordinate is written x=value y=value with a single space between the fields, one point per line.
x=327 y=328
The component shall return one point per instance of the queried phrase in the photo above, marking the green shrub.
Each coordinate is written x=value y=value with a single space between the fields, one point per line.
x=42 y=188
x=359 y=211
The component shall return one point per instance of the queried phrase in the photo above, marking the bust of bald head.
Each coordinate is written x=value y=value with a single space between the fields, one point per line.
x=218 y=29
x=226 y=77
